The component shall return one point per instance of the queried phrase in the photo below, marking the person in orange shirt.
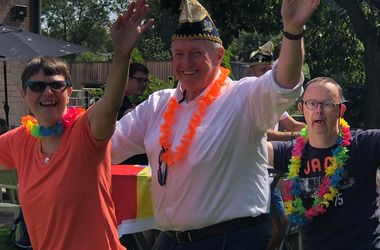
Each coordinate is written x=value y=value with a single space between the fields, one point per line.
x=62 y=155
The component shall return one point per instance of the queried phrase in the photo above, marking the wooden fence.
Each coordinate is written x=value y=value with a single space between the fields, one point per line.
x=97 y=72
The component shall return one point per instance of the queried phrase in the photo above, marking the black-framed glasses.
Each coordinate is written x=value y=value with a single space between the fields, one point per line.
x=162 y=172
x=141 y=79
x=40 y=86
x=326 y=105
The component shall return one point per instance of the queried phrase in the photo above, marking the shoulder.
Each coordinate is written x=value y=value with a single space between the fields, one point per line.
x=363 y=136
x=19 y=132
x=282 y=146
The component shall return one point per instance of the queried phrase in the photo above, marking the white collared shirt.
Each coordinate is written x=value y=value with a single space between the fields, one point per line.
x=224 y=175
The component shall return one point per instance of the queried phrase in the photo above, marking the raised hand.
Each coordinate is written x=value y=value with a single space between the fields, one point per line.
x=128 y=27
x=295 y=13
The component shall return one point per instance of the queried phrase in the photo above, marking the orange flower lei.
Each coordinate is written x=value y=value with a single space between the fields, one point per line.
x=169 y=156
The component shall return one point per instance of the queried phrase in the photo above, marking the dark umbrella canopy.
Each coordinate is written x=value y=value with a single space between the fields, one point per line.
x=21 y=46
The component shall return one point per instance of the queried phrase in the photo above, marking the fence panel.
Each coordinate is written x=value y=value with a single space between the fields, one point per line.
x=97 y=72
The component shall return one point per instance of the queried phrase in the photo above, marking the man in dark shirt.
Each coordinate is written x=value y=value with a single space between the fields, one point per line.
x=331 y=192
x=137 y=82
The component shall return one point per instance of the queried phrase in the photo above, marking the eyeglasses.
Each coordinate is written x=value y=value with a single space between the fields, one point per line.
x=140 y=79
x=40 y=86
x=326 y=105
x=162 y=172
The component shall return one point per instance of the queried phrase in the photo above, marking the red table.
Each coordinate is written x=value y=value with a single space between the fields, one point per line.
x=132 y=198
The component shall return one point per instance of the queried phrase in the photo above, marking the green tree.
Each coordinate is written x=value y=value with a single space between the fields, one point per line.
x=152 y=48
x=364 y=16
x=155 y=44
x=246 y=42
x=83 y=22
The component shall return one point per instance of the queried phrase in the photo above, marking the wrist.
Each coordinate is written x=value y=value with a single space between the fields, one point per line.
x=293 y=36
x=294 y=135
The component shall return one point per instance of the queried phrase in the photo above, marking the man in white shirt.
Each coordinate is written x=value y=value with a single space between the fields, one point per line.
x=205 y=140
x=260 y=62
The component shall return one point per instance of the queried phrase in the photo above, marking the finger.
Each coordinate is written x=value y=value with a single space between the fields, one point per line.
x=316 y=3
x=117 y=23
x=128 y=14
x=142 y=14
x=147 y=25
x=140 y=11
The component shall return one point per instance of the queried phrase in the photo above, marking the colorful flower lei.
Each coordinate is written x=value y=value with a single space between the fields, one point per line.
x=31 y=124
x=171 y=157
x=328 y=189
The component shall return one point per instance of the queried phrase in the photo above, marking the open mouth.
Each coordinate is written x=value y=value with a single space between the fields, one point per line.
x=48 y=103
x=319 y=122
x=189 y=72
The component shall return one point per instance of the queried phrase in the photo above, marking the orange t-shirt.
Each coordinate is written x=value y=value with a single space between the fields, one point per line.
x=66 y=201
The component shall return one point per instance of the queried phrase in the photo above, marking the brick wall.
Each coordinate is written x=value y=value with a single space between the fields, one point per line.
x=14 y=69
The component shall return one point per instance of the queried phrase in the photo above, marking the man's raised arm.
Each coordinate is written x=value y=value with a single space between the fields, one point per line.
x=295 y=14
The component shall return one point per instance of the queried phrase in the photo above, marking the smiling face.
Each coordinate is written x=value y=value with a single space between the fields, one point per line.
x=48 y=106
x=322 y=122
x=196 y=63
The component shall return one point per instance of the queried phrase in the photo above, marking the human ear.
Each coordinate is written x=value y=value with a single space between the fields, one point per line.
x=220 y=54
x=300 y=107
x=342 y=110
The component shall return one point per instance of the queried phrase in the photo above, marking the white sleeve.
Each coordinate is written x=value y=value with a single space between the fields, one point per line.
x=267 y=101
x=284 y=115
x=128 y=138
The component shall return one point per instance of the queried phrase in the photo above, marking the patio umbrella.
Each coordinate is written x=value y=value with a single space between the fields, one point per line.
x=21 y=46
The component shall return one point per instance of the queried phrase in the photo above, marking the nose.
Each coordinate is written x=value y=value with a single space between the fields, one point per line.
x=48 y=90
x=186 y=59
x=319 y=108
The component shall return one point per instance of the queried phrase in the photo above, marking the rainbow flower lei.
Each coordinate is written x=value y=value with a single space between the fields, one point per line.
x=328 y=189
x=31 y=124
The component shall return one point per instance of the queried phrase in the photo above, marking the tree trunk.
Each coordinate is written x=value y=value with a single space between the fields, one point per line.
x=368 y=34
x=372 y=70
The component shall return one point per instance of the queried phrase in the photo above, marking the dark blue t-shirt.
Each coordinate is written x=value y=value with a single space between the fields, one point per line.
x=349 y=222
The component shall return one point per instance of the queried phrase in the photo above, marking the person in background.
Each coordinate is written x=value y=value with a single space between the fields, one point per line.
x=62 y=155
x=138 y=80
x=260 y=62
x=331 y=172
x=205 y=139
x=24 y=242
x=3 y=126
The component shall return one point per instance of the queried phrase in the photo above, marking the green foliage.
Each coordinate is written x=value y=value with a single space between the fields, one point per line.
x=334 y=50
x=5 y=244
x=246 y=42
x=155 y=85
x=261 y=16
x=136 y=56
x=83 y=22
x=153 y=49
x=96 y=92
x=226 y=59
